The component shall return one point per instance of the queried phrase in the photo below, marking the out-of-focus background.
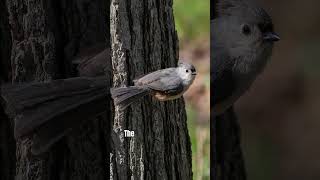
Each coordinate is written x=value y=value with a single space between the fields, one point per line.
x=192 y=19
x=280 y=115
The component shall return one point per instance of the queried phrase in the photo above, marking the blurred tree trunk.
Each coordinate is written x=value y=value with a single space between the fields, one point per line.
x=227 y=163
x=144 y=39
x=46 y=36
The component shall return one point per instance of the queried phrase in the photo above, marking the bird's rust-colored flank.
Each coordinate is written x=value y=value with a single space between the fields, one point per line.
x=164 y=97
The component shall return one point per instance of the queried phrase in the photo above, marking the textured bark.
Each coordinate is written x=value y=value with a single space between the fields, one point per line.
x=227 y=162
x=46 y=36
x=144 y=39
x=7 y=143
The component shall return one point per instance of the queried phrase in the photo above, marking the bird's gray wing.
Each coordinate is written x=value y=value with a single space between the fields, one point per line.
x=170 y=85
x=154 y=76
x=222 y=80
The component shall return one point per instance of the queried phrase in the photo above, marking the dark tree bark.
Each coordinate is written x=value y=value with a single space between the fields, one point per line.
x=144 y=39
x=227 y=163
x=47 y=36
x=7 y=142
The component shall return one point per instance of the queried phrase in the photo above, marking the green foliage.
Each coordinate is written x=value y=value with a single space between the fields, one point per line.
x=200 y=151
x=307 y=57
x=260 y=155
x=192 y=18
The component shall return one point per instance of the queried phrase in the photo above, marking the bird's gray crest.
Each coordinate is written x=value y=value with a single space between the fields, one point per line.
x=242 y=8
x=229 y=7
x=186 y=65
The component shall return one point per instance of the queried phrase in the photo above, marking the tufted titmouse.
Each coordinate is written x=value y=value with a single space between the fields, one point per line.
x=49 y=110
x=242 y=38
x=164 y=84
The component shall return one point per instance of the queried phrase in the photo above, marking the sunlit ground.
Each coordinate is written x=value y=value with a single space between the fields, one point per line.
x=192 y=23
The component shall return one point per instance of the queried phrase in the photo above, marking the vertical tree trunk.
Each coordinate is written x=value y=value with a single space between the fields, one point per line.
x=7 y=143
x=228 y=163
x=144 y=39
x=46 y=36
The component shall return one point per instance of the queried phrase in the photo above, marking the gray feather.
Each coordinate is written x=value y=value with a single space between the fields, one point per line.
x=222 y=80
x=33 y=105
x=171 y=85
x=125 y=96
x=154 y=76
x=164 y=80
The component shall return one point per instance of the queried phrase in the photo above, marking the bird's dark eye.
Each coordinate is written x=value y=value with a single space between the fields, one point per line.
x=246 y=30
x=187 y=70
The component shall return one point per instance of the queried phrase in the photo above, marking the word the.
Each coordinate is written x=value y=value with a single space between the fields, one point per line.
x=128 y=133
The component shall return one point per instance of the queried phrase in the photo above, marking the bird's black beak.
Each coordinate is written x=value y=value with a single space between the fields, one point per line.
x=271 y=37
x=193 y=71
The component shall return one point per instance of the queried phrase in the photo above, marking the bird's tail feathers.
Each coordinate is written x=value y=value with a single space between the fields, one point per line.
x=125 y=96
x=32 y=105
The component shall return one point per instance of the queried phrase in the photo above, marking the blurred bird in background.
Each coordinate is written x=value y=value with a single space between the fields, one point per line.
x=49 y=110
x=242 y=38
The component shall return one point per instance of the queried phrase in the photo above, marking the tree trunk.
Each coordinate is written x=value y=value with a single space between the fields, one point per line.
x=7 y=142
x=227 y=162
x=144 y=39
x=46 y=36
